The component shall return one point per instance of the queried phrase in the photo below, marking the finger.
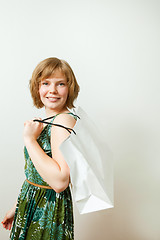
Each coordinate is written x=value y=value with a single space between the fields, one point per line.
x=37 y=119
x=3 y=224
x=26 y=122
x=6 y=227
x=4 y=220
x=10 y=226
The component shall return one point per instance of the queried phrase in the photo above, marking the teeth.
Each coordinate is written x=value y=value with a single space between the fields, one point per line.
x=52 y=98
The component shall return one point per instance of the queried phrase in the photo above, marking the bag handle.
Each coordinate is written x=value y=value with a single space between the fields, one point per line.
x=58 y=125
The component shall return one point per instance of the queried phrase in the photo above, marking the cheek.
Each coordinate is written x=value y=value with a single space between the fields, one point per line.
x=64 y=92
x=42 y=91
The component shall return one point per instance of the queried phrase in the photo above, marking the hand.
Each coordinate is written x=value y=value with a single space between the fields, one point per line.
x=8 y=219
x=32 y=129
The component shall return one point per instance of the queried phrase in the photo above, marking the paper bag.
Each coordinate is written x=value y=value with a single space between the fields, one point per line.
x=91 y=166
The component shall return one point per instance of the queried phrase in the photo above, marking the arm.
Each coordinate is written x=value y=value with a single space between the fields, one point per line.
x=9 y=217
x=53 y=170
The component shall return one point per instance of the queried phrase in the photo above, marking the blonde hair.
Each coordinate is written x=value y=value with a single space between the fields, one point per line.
x=45 y=69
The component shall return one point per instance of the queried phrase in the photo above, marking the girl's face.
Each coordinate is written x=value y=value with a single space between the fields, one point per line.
x=54 y=92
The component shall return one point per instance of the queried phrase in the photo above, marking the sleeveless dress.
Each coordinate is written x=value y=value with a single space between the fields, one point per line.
x=42 y=214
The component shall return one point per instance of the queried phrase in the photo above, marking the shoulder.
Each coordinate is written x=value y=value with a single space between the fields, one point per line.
x=59 y=134
x=65 y=119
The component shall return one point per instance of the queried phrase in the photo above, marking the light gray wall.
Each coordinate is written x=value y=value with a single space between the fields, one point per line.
x=113 y=48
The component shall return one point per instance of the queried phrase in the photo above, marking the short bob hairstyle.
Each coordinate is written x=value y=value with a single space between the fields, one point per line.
x=45 y=69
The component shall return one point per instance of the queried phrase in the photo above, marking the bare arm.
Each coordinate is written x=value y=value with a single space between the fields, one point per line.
x=9 y=217
x=53 y=170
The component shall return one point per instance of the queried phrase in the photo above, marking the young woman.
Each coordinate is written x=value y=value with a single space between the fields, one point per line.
x=44 y=206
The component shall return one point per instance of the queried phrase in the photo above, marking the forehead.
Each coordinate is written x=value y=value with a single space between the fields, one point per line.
x=57 y=75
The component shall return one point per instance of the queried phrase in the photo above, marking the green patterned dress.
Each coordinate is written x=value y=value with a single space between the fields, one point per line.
x=42 y=214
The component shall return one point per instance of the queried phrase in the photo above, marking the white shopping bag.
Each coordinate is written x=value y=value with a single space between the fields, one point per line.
x=91 y=167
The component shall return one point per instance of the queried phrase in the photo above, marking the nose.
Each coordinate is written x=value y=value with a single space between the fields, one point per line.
x=53 y=88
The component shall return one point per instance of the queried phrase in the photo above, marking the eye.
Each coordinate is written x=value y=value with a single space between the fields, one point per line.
x=62 y=84
x=44 y=83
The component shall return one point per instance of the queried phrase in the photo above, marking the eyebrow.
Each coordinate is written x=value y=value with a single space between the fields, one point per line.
x=61 y=80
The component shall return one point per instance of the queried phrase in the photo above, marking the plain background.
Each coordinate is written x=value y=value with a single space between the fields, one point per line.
x=113 y=48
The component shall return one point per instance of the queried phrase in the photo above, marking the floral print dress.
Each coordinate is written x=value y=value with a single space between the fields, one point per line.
x=42 y=213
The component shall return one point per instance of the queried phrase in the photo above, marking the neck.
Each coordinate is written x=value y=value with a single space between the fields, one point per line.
x=52 y=112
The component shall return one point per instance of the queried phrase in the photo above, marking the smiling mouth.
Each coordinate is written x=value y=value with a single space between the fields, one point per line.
x=52 y=99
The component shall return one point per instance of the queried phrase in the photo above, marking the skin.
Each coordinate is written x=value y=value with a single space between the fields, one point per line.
x=55 y=171
x=53 y=93
x=8 y=219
